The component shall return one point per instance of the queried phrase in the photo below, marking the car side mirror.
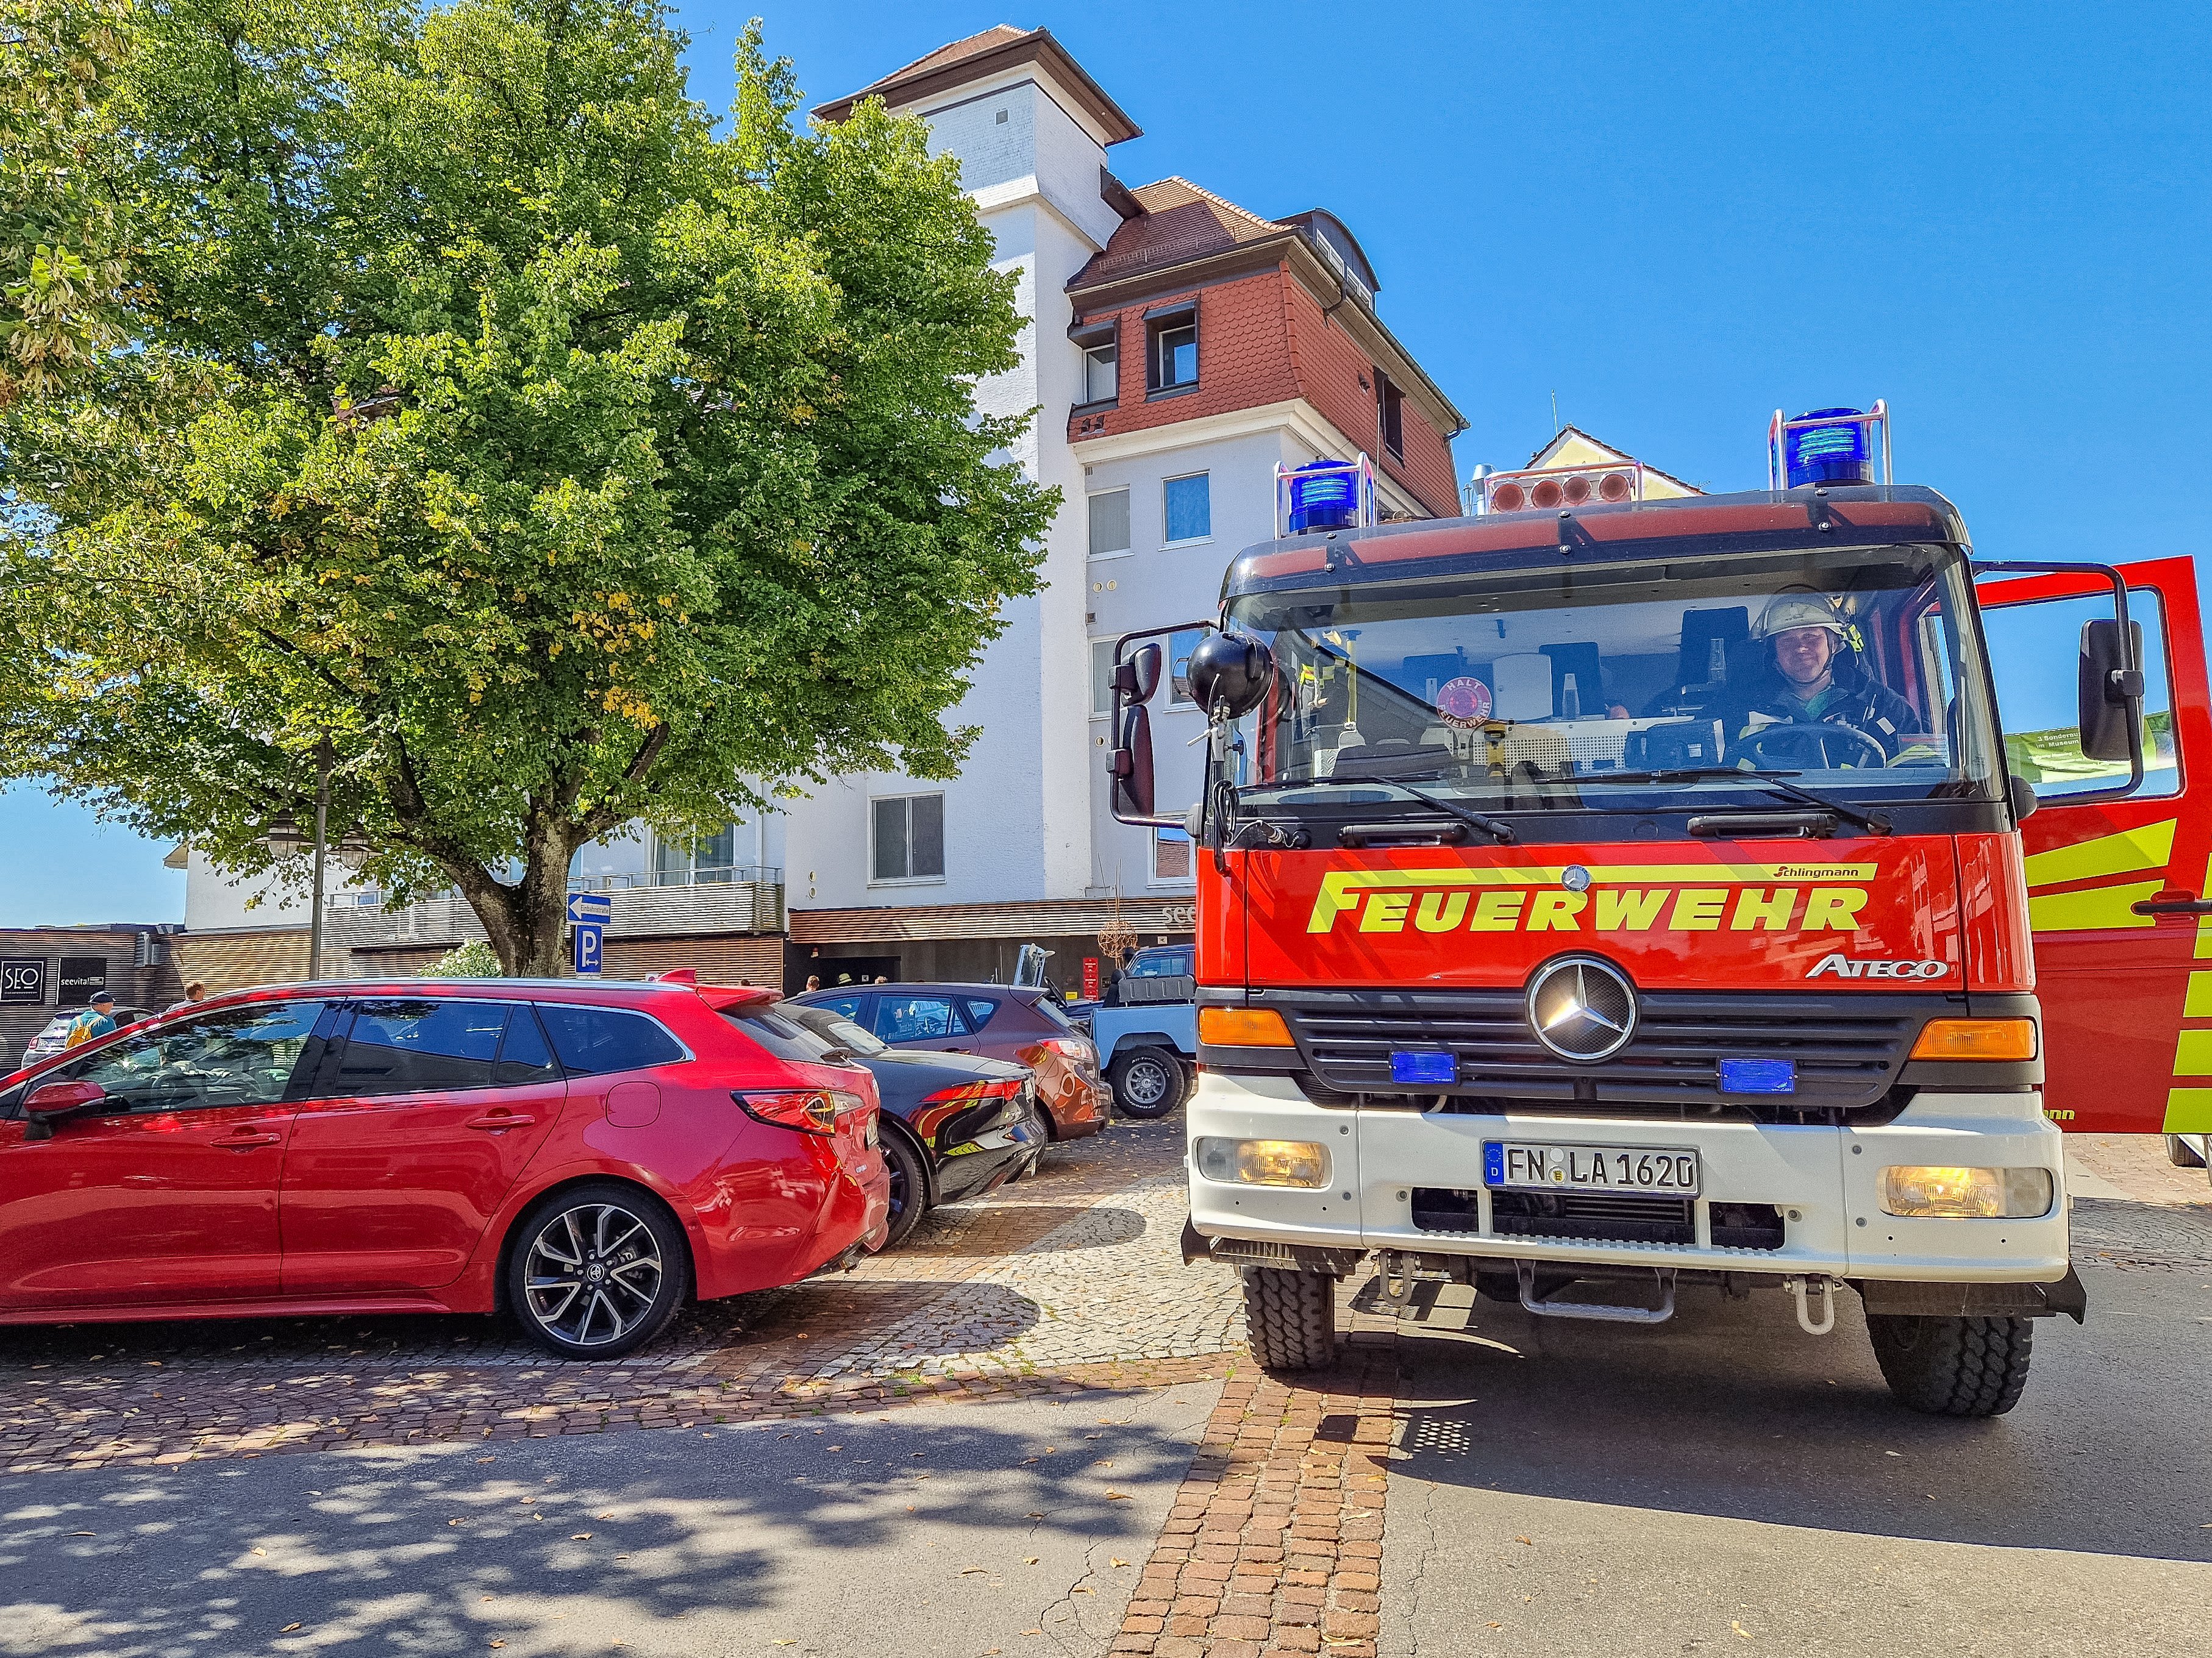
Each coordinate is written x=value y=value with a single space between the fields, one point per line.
x=57 y=1102
x=1139 y=675
x=1132 y=760
x=2110 y=691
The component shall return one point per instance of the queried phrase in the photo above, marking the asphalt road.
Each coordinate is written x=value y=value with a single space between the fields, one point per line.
x=1018 y=1526
x=1725 y=1484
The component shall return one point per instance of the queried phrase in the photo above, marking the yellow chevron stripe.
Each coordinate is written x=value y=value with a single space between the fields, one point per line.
x=2189 y=1111
x=2098 y=909
x=2193 y=1056
x=2198 y=1004
x=2148 y=846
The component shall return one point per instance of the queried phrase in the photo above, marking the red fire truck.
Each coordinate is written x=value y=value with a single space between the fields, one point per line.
x=1605 y=896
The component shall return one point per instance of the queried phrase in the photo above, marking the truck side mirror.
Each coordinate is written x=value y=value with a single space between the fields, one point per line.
x=1137 y=677
x=1133 y=757
x=58 y=1102
x=1229 y=671
x=2110 y=689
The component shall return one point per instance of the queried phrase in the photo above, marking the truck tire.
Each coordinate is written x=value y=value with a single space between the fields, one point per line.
x=1148 y=1082
x=2181 y=1154
x=1290 y=1318
x=1954 y=1366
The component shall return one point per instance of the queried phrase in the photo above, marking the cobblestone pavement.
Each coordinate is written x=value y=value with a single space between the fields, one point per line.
x=1066 y=1281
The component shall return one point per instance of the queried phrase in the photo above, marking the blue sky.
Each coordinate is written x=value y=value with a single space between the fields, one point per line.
x=1998 y=218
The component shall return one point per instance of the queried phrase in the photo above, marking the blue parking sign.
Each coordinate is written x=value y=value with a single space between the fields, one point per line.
x=589 y=937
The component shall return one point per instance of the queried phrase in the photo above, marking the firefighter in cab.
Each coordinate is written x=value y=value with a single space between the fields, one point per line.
x=1812 y=676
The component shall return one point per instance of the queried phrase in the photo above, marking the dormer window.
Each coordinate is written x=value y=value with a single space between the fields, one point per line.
x=1100 y=379
x=1171 y=348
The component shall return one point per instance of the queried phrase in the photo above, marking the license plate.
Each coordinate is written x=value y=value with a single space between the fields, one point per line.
x=1521 y=1166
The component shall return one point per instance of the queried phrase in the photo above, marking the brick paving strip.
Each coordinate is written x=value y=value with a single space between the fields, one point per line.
x=1274 y=1543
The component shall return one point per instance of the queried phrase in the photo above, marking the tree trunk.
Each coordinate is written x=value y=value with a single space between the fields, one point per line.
x=528 y=922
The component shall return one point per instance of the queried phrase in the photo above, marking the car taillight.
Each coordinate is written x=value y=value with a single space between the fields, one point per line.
x=810 y=1110
x=999 y=1088
x=1072 y=1047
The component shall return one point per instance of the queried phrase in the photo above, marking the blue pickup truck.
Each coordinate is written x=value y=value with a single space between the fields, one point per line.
x=1147 y=1031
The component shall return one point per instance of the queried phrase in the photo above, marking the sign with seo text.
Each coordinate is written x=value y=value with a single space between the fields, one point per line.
x=23 y=980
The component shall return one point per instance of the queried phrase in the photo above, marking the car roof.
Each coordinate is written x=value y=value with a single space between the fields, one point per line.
x=964 y=988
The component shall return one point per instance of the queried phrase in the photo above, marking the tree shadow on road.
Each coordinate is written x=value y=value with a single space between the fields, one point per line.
x=665 y=1541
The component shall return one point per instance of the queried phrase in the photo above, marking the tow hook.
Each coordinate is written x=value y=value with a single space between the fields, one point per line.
x=1403 y=1292
x=1798 y=1288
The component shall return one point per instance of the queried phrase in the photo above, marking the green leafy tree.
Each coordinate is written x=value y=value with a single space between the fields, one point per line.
x=473 y=960
x=445 y=386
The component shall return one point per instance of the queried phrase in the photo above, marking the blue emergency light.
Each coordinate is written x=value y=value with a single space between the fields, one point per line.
x=1759 y=1076
x=1324 y=496
x=1840 y=453
x=1412 y=1066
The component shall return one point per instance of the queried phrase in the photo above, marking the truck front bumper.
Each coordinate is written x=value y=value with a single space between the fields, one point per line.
x=1825 y=1182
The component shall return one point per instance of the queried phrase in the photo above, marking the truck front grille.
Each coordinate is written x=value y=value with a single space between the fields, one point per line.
x=1847 y=1053
x=1601 y=1217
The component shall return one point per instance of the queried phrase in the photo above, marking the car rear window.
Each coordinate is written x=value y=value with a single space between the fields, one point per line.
x=782 y=1035
x=594 y=1041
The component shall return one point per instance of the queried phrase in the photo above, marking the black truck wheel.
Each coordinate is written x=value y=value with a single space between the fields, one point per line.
x=1954 y=1366
x=1290 y=1318
x=1147 y=1082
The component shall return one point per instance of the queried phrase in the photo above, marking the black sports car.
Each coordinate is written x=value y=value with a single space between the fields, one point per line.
x=954 y=1125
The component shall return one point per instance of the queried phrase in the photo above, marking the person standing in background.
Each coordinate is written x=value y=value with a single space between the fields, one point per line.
x=195 y=990
x=96 y=1020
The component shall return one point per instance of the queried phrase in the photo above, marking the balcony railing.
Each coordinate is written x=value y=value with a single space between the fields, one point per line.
x=743 y=900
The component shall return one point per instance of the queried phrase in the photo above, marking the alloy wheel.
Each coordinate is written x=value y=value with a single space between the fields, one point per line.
x=593 y=1273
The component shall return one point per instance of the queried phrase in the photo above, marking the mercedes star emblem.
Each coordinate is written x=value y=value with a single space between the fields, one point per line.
x=1582 y=1007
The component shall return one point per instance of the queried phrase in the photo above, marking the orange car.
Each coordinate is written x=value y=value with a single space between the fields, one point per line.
x=1000 y=1022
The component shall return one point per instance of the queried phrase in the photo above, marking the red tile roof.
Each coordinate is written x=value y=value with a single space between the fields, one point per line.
x=1181 y=221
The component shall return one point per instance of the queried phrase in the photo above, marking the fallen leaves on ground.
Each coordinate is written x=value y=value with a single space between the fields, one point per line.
x=579 y=1537
x=1739 y=1629
x=287 y=1628
x=1119 y=1496
x=1530 y=1541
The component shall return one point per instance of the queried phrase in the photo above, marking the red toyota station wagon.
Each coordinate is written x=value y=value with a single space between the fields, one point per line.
x=583 y=1156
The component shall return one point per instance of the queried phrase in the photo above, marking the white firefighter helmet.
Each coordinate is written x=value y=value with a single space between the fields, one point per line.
x=1801 y=607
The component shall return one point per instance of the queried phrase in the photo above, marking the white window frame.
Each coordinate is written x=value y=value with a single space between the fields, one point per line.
x=1090 y=398
x=1183 y=477
x=876 y=880
x=1129 y=517
x=1190 y=876
x=1102 y=710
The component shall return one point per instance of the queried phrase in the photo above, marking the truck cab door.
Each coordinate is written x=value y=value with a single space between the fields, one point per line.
x=2119 y=893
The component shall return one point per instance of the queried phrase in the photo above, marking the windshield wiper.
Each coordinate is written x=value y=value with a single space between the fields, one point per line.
x=1777 y=782
x=1497 y=827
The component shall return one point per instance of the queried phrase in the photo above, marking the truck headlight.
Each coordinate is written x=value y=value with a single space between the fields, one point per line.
x=1263 y=1162
x=1966 y=1193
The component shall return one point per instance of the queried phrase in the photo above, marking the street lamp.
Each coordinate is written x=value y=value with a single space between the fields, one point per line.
x=284 y=837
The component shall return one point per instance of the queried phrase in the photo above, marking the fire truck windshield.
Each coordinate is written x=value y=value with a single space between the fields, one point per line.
x=1551 y=688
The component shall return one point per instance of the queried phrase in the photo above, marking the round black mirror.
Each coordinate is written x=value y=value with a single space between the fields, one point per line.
x=1229 y=671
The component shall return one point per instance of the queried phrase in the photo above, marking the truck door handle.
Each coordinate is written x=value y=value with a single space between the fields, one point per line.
x=496 y=1120
x=2172 y=907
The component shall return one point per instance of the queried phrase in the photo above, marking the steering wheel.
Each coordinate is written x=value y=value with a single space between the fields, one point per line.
x=1799 y=739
